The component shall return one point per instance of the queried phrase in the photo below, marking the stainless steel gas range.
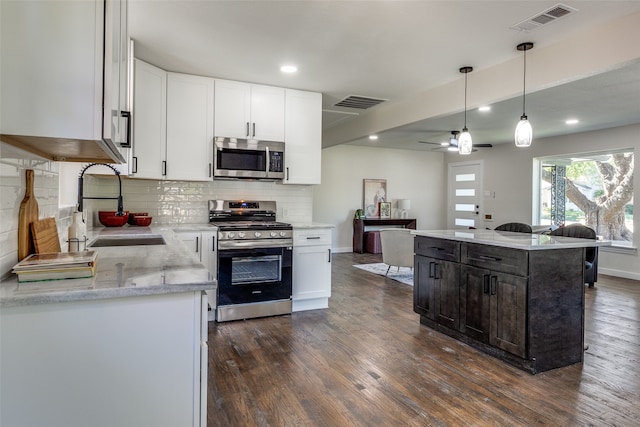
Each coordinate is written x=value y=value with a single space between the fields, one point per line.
x=255 y=255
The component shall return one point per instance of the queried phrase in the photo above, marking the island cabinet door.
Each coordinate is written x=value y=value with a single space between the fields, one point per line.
x=436 y=290
x=424 y=287
x=475 y=294
x=508 y=312
x=447 y=293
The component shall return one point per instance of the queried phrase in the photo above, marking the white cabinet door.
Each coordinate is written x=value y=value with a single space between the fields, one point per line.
x=311 y=272
x=247 y=111
x=189 y=127
x=116 y=73
x=52 y=75
x=204 y=245
x=311 y=268
x=303 y=137
x=54 y=63
x=267 y=113
x=209 y=255
x=149 y=121
x=232 y=109
x=192 y=240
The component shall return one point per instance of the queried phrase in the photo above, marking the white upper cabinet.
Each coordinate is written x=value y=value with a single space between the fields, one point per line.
x=149 y=124
x=117 y=56
x=303 y=137
x=190 y=104
x=248 y=111
x=52 y=77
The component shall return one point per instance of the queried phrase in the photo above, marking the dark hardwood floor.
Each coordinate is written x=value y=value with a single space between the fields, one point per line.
x=367 y=361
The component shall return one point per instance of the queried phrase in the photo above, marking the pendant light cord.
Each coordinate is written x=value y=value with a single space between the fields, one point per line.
x=524 y=82
x=465 y=100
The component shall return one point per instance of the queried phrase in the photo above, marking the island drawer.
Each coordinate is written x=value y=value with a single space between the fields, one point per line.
x=496 y=258
x=448 y=250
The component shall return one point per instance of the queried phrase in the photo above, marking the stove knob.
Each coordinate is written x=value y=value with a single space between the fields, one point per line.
x=230 y=235
x=257 y=234
x=283 y=234
x=273 y=234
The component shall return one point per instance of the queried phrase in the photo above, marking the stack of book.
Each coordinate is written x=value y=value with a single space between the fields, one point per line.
x=56 y=266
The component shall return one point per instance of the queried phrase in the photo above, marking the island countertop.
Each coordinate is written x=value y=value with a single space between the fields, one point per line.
x=524 y=241
x=121 y=271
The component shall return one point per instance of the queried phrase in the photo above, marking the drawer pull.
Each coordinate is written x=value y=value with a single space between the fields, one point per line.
x=313 y=238
x=490 y=258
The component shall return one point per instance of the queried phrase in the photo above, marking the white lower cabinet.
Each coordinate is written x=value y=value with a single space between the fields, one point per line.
x=311 y=268
x=203 y=243
x=127 y=362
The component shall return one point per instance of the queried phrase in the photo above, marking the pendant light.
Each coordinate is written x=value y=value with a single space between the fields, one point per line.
x=524 y=132
x=465 y=144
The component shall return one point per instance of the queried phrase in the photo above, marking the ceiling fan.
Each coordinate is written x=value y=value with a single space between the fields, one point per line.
x=452 y=144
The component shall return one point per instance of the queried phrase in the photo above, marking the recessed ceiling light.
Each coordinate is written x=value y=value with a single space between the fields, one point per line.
x=373 y=137
x=484 y=108
x=288 y=68
x=572 y=121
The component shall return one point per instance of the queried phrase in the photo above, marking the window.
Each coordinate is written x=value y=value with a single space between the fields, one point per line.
x=594 y=189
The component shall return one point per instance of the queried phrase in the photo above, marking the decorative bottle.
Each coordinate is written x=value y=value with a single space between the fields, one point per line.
x=77 y=233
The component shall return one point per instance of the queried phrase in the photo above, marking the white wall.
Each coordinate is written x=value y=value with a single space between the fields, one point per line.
x=508 y=171
x=415 y=175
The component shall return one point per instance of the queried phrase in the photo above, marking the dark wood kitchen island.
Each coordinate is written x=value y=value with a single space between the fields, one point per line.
x=516 y=296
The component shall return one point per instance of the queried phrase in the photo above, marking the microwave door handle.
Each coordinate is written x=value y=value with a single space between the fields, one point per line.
x=266 y=167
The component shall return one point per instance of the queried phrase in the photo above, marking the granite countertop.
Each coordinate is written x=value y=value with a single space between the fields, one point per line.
x=509 y=239
x=121 y=271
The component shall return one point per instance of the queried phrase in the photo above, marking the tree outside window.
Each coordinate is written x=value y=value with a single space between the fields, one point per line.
x=595 y=190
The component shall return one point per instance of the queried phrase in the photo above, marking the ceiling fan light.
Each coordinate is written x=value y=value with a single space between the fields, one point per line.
x=465 y=144
x=524 y=133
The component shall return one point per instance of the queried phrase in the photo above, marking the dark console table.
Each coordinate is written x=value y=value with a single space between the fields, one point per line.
x=360 y=224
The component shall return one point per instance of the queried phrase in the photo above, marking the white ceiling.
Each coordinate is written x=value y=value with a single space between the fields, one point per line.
x=393 y=50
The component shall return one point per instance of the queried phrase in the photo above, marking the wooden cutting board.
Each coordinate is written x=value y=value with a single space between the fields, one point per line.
x=45 y=236
x=28 y=213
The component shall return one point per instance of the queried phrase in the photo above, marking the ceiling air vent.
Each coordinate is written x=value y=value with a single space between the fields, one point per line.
x=359 y=102
x=539 y=19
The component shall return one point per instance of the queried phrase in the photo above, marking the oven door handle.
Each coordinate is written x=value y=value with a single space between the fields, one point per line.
x=251 y=244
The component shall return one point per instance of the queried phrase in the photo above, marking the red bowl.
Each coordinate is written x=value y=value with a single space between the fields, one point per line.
x=132 y=221
x=143 y=221
x=110 y=219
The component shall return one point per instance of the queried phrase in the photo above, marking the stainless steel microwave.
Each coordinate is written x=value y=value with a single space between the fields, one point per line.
x=248 y=158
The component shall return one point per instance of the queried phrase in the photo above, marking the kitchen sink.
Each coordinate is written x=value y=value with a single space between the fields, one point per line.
x=149 y=239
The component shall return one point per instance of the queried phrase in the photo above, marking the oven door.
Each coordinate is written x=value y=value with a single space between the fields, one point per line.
x=251 y=275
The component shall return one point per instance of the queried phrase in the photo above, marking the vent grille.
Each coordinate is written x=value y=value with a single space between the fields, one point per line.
x=359 y=102
x=550 y=15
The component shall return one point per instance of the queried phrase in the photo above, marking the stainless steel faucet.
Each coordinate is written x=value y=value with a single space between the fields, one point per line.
x=81 y=197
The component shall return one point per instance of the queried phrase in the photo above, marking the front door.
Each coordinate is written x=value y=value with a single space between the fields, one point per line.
x=464 y=195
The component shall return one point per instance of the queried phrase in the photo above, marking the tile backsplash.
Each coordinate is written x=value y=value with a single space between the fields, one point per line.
x=180 y=202
x=169 y=202
x=12 y=191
